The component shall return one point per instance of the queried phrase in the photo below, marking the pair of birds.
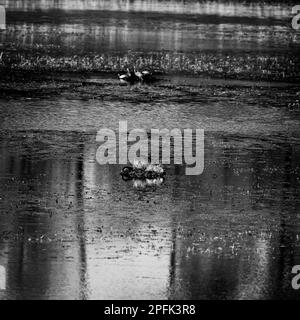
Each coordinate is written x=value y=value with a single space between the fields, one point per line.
x=134 y=76
x=142 y=170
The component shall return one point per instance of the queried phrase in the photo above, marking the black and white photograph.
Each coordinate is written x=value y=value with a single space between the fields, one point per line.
x=150 y=150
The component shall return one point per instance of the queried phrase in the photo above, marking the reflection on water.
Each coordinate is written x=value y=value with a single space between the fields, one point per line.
x=240 y=40
x=227 y=8
x=143 y=184
x=126 y=34
x=2 y=278
x=71 y=228
x=207 y=26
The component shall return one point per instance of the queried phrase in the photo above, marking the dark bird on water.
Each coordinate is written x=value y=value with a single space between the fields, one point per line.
x=141 y=170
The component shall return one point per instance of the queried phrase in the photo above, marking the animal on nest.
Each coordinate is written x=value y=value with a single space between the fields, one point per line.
x=127 y=77
x=142 y=170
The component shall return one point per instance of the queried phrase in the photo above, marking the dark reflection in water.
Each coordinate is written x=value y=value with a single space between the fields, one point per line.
x=126 y=34
x=149 y=25
x=228 y=8
x=71 y=228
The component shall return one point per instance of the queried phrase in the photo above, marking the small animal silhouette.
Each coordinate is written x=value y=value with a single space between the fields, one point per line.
x=142 y=170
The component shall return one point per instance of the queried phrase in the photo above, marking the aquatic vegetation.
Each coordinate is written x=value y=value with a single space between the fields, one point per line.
x=275 y=67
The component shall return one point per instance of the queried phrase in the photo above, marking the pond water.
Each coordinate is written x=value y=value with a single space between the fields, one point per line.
x=73 y=229
x=193 y=26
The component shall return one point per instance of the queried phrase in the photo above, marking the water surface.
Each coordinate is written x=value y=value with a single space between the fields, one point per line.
x=73 y=229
